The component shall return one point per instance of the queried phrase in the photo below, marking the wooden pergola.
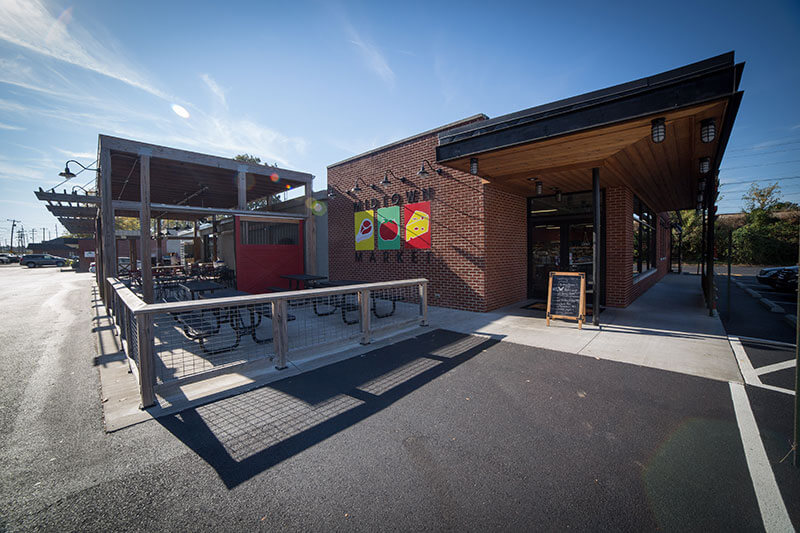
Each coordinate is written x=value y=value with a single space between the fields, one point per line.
x=147 y=181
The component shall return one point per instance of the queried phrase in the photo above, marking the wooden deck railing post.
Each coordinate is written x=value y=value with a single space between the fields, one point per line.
x=423 y=304
x=364 y=308
x=147 y=378
x=280 y=331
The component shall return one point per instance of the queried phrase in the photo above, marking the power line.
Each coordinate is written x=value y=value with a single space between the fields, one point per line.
x=763 y=153
x=760 y=179
x=757 y=147
x=763 y=164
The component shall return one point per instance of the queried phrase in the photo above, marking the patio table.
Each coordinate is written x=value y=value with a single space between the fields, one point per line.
x=200 y=286
x=306 y=280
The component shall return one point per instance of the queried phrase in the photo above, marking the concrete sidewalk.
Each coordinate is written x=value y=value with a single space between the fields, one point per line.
x=666 y=328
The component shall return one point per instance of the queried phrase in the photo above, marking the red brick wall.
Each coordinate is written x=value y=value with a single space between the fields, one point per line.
x=619 y=246
x=506 y=246
x=456 y=266
x=478 y=256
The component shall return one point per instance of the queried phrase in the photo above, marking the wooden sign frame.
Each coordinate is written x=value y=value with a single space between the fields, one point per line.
x=581 y=304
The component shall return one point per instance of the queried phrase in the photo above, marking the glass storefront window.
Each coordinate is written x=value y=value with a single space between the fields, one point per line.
x=644 y=237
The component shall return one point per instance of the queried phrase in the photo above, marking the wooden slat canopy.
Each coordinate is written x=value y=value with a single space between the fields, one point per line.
x=559 y=143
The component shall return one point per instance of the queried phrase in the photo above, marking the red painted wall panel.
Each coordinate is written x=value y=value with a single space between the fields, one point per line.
x=259 y=266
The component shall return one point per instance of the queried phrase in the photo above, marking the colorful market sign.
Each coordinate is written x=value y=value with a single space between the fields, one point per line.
x=388 y=221
x=418 y=225
x=365 y=230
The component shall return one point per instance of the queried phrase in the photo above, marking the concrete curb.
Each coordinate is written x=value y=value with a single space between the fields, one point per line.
x=772 y=306
x=769 y=304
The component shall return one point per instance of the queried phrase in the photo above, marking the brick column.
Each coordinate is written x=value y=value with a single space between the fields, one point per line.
x=619 y=246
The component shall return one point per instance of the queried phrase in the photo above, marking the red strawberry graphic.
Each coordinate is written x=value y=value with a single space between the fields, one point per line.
x=388 y=230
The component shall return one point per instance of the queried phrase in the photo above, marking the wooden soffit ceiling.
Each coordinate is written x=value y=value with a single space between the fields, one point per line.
x=663 y=174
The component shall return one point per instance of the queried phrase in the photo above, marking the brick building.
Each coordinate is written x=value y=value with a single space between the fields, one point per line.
x=486 y=208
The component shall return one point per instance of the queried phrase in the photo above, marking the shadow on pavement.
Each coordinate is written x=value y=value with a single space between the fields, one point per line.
x=242 y=436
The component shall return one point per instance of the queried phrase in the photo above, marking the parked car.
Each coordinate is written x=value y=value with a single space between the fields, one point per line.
x=9 y=258
x=34 y=260
x=767 y=276
x=786 y=280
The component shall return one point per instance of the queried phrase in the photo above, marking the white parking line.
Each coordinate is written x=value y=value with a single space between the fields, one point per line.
x=775 y=367
x=746 y=368
x=770 y=501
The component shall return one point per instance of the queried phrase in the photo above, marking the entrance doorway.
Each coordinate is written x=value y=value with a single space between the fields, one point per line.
x=560 y=238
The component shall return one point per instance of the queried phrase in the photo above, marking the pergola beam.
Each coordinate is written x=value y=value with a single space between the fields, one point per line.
x=167 y=209
x=175 y=154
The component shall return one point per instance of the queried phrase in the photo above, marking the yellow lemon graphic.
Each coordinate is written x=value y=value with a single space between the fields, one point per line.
x=417 y=225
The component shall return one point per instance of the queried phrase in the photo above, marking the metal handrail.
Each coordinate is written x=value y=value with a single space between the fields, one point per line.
x=133 y=302
x=253 y=299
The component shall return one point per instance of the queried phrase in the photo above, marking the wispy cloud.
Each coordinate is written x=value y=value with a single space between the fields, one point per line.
x=10 y=127
x=24 y=23
x=215 y=88
x=371 y=55
x=51 y=46
x=77 y=155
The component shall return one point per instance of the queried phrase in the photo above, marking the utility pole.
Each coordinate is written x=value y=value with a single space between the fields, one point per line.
x=797 y=374
x=13 y=223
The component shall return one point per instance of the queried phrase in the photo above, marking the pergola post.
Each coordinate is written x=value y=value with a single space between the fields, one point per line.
x=196 y=243
x=160 y=243
x=144 y=228
x=596 y=247
x=241 y=187
x=214 y=229
x=310 y=232
x=109 y=252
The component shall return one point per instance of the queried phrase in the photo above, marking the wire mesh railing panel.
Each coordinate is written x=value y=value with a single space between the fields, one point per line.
x=393 y=306
x=188 y=343
x=323 y=320
x=132 y=337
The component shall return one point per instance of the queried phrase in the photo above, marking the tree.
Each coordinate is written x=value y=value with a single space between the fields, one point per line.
x=765 y=238
x=247 y=158
x=765 y=198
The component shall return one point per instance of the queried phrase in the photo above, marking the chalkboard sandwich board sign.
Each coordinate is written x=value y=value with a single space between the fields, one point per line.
x=566 y=296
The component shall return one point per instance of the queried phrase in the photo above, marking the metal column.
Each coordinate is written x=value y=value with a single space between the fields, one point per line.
x=711 y=200
x=596 y=247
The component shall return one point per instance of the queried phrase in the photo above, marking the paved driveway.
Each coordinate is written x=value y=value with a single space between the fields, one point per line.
x=444 y=431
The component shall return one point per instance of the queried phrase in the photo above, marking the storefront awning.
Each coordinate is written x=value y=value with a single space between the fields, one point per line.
x=559 y=143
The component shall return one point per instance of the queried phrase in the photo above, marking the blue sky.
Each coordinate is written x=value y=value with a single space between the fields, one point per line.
x=306 y=84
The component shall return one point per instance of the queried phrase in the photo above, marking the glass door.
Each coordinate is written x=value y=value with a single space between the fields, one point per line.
x=545 y=256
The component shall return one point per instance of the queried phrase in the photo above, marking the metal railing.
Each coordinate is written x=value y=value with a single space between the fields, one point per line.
x=181 y=341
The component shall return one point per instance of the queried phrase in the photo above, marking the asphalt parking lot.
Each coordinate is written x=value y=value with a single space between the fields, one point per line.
x=445 y=431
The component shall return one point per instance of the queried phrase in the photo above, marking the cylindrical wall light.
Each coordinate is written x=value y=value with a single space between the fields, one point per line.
x=705 y=165
x=473 y=166
x=708 y=130
x=658 y=130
